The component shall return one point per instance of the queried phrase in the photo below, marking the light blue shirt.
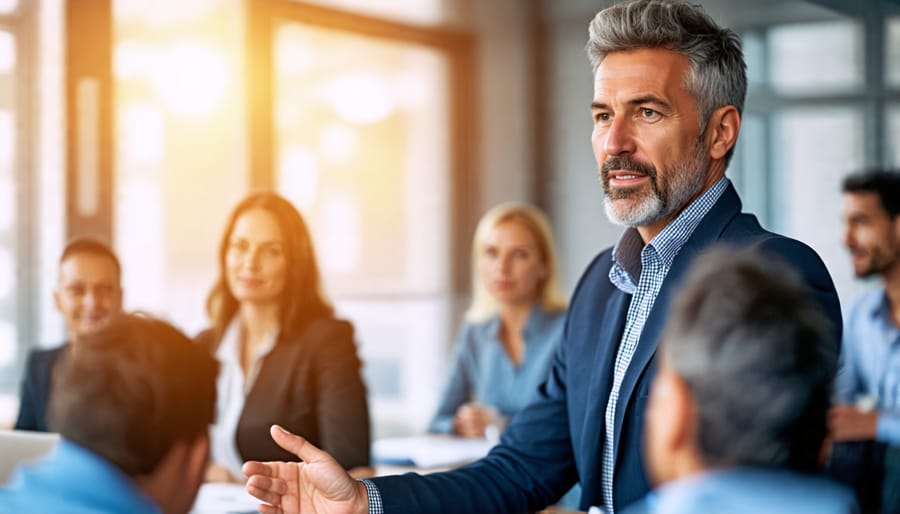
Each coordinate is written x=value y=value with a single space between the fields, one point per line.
x=73 y=480
x=870 y=362
x=748 y=491
x=483 y=372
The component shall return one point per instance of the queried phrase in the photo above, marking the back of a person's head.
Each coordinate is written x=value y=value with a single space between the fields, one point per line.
x=882 y=182
x=755 y=349
x=132 y=390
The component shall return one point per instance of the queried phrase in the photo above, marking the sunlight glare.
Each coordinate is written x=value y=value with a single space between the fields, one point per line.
x=360 y=98
x=340 y=236
x=142 y=133
x=190 y=77
x=338 y=143
x=298 y=176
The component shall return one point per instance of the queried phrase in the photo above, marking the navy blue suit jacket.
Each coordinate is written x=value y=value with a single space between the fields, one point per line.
x=557 y=439
x=35 y=394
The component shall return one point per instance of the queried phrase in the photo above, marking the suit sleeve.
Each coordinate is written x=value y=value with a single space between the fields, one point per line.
x=343 y=415
x=809 y=265
x=458 y=390
x=27 y=418
x=530 y=468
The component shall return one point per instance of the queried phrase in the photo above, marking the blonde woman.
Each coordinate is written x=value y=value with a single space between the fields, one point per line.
x=512 y=328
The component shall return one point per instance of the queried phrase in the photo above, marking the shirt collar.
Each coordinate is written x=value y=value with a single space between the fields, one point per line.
x=537 y=320
x=880 y=307
x=627 y=251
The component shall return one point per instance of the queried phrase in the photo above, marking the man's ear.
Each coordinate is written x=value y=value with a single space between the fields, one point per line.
x=683 y=413
x=722 y=131
x=198 y=456
x=675 y=398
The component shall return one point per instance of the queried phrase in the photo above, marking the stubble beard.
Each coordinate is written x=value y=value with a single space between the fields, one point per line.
x=637 y=206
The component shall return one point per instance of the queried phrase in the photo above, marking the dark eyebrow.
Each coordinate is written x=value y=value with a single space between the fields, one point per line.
x=646 y=99
x=650 y=99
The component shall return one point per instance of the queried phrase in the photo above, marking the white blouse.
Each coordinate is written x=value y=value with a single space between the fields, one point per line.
x=231 y=390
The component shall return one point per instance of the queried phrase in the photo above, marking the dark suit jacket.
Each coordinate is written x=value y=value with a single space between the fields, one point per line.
x=35 y=394
x=557 y=439
x=310 y=384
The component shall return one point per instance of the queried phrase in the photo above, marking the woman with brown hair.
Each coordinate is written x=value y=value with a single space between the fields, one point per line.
x=284 y=358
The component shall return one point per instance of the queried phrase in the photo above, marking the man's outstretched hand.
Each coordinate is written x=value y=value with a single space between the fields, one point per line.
x=318 y=485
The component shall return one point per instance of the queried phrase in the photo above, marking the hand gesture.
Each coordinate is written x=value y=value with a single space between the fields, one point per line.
x=318 y=485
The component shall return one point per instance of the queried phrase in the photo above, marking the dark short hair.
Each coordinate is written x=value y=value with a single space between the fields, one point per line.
x=91 y=246
x=884 y=183
x=756 y=351
x=133 y=389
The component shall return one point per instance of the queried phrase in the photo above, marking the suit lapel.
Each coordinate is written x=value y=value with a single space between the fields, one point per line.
x=705 y=235
x=605 y=340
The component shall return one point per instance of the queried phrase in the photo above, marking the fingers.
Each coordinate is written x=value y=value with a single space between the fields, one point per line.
x=297 y=445
x=267 y=489
x=252 y=467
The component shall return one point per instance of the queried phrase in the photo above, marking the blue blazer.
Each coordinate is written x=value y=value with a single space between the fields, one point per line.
x=35 y=395
x=557 y=439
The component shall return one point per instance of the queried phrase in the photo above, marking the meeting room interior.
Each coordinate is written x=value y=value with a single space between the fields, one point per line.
x=392 y=126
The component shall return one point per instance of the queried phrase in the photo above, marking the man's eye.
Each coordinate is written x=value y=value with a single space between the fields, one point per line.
x=649 y=113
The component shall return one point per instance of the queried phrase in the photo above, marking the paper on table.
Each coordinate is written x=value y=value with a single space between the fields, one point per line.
x=429 y=451
x=216 y=498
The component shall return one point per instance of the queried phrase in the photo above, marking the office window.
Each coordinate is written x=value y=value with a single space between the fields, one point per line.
x=31 y=173
x=422 y=12
x=892 y=53
x=893 y=134
x=814 y=148
x=363 y=151
x=179 y=142
x=816 y=58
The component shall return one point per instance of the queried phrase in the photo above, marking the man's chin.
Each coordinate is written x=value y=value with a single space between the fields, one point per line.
x=633 y=212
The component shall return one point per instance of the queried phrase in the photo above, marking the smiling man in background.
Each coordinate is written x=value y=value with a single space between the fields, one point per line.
x=87 y=294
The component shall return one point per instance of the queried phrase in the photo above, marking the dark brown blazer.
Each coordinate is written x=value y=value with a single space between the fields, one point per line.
x=310 y=384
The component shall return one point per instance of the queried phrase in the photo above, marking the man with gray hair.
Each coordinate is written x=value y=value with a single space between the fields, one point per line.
x=669 y=87
x=738 y=407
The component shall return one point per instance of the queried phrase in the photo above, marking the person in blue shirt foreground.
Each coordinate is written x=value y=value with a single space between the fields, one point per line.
x=740 y=399
x=132 y=404
x=669 y=87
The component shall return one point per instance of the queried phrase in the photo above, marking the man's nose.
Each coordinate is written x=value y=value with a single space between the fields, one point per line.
x=91 y=298
x=619 y=137
x=848 y=237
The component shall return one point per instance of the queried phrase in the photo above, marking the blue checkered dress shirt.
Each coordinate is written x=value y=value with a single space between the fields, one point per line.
x=650 y=263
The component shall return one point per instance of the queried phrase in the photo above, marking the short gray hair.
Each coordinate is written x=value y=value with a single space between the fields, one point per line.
x=718 y=74
x=756 y=351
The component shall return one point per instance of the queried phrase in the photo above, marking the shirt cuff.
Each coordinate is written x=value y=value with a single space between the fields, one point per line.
x=376 y=506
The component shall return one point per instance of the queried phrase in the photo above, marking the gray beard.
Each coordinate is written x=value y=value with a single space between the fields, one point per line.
x=685 y=179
